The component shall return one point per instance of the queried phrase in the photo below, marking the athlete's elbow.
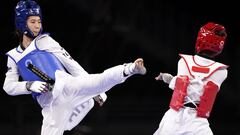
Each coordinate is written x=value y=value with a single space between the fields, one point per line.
x=8 y=90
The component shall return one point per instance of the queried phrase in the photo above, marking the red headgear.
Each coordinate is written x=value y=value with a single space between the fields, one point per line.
x=211 y=37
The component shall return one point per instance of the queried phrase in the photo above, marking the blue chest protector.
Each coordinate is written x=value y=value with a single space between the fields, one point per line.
x=45 y=61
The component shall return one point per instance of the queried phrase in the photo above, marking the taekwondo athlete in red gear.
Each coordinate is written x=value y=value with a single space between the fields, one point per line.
x=70 y=98
x=195 y=86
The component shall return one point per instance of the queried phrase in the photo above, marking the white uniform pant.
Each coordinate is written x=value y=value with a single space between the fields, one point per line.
x=183 y=122
x=71 y=98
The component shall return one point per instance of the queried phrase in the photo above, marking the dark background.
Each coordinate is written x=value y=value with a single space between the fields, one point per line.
x=103 y=33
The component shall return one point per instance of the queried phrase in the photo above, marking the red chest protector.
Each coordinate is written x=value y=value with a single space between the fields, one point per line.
x=210 y=89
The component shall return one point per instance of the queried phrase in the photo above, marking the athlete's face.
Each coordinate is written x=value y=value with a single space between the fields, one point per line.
x=34 y=24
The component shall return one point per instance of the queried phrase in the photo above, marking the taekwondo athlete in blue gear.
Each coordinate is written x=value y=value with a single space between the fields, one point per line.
x=74 y=90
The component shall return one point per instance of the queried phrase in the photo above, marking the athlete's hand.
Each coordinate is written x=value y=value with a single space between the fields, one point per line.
x=165 y=77
x=37 y=86
x=100 y=99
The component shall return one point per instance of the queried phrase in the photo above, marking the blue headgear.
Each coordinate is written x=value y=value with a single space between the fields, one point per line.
x=23 y=10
